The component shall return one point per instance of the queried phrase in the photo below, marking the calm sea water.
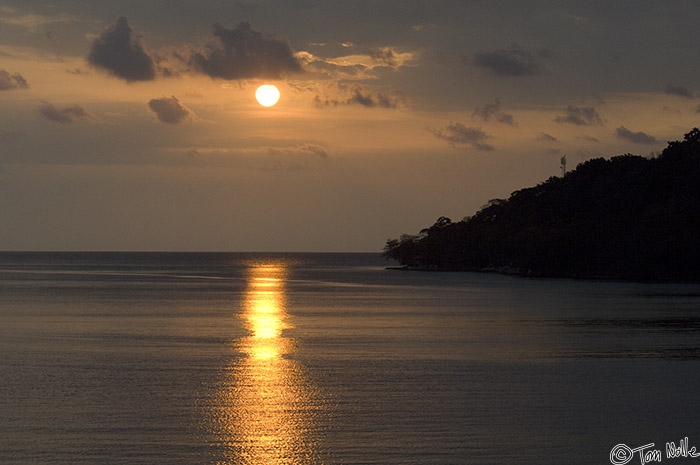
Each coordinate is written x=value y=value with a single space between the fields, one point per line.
x=331 y=359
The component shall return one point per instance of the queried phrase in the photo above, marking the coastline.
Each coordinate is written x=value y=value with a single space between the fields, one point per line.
x=509 y=271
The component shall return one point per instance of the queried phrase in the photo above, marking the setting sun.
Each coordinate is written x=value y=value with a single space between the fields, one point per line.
x=267 y=95
x=186 y=276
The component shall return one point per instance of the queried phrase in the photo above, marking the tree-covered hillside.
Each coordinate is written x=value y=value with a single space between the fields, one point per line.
x=628 y=217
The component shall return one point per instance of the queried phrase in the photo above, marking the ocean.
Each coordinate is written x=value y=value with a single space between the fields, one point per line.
x=245 y=358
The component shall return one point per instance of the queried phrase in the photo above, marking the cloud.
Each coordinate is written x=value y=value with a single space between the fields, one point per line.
x=458 y=134
x=588 y=139
x=544 y=137
x=314 y=149
x=514 y=62
x=358 y=95
x=292 y=158
x=365 y=98
x=635 y=137
x=580 y=116
x=678 y=91
x=119 y=51
x=383 y=55
x=333 y=68
x=243 y=53
x=361 y=63
x=65 y=115
x=305 y=150
x=493 y=110
x=386 y=56
x=265 y=158
x=12 y=81
x=170 y=110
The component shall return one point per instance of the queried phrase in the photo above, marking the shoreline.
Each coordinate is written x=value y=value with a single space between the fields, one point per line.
x=506 y=271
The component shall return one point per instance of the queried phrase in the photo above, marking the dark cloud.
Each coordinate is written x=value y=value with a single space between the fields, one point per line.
x=636 y=137
x=358 y=95
x=457 y=134
x=365 y=98
x=580 y=116
x=494 y=111
x=119 y=51
x=243 y=53
x=12 y=81
x=588 y=139
x=65 y=115
x=384 y=56
x=506 y=62
x=544 y=137
x=678 y=91
x=169 y=110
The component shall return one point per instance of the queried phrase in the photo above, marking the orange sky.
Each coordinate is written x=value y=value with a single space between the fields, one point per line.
x=385 y=121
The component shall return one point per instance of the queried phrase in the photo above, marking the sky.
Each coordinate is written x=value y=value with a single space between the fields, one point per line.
x=133 y=125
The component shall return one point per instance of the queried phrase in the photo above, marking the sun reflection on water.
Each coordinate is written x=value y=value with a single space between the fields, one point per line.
x=264 y=411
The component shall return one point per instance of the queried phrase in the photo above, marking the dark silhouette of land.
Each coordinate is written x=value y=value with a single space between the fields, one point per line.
x=629 y=217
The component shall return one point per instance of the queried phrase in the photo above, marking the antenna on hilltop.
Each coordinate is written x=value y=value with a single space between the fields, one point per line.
x=563 y=165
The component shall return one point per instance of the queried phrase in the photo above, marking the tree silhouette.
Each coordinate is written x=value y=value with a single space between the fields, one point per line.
x=627 y=217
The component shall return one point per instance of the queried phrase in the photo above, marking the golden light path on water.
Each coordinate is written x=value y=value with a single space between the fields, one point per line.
x=264 y=412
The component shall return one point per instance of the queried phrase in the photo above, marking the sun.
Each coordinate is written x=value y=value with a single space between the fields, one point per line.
x=267 y=95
